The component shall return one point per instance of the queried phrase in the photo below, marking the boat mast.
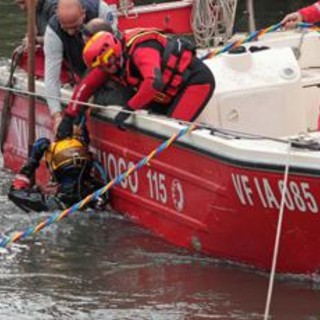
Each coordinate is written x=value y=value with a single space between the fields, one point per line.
x=31 y=5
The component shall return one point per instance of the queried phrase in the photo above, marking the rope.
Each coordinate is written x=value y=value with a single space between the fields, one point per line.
x=104 y=108
x=58 y=216
x=212 y=21
x=96 y=106
x=254 y=36
x=309 y=26
x=278 y=234
x=235 y=44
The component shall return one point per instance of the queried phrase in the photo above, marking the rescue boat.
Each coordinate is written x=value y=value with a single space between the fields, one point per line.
x=220 y=189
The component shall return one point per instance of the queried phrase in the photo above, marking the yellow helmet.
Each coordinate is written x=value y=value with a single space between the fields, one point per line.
x=67 y=152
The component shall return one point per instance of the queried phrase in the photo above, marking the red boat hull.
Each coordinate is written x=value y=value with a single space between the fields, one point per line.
x=175 y=21
x=172 y=17
x=195 y=199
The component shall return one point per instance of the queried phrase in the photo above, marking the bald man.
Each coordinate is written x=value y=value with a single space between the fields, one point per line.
x=63 y=40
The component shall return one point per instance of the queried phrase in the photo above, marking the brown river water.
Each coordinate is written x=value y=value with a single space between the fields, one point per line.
x=102 y=266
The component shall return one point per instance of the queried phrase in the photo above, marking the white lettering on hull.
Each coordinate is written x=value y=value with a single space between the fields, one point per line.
x=159 y=186
x=20 y=129
x=259 y=191
x=244 y=192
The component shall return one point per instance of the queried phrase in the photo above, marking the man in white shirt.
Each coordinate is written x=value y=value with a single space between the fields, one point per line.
x=63 y=41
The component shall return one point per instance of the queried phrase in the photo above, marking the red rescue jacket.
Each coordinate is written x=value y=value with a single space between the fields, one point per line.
x=175 y=59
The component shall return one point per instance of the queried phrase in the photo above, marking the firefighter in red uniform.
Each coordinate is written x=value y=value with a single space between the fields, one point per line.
x=164 y=72
x=309 y=14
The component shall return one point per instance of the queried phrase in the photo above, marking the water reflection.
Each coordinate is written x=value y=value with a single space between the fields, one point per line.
x=101 y=266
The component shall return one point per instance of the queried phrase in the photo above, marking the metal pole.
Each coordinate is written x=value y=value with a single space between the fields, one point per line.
x=251 y=19
x=31 y=42
x=31 y=71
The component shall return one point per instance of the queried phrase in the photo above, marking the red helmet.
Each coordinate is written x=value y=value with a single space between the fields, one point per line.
x=100 y=48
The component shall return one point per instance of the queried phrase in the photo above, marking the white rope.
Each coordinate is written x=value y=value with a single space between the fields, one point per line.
x=101 y=107
x=212 y=21
x=278 y=234
x=125 y=6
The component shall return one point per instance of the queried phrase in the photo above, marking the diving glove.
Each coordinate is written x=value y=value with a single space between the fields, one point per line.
x=121 y=117
x=65 y=129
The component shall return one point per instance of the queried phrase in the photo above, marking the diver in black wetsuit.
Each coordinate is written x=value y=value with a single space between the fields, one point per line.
x=72 y=168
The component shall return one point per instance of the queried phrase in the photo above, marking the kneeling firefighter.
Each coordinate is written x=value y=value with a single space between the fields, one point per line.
x=73 y=170
x=164 y=73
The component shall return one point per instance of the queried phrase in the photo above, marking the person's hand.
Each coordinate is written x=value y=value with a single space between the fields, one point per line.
x=57 y=117
x=65 y=128
x=39 y=147
x=121 y=117
x=291 y=20
x=20 y=182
